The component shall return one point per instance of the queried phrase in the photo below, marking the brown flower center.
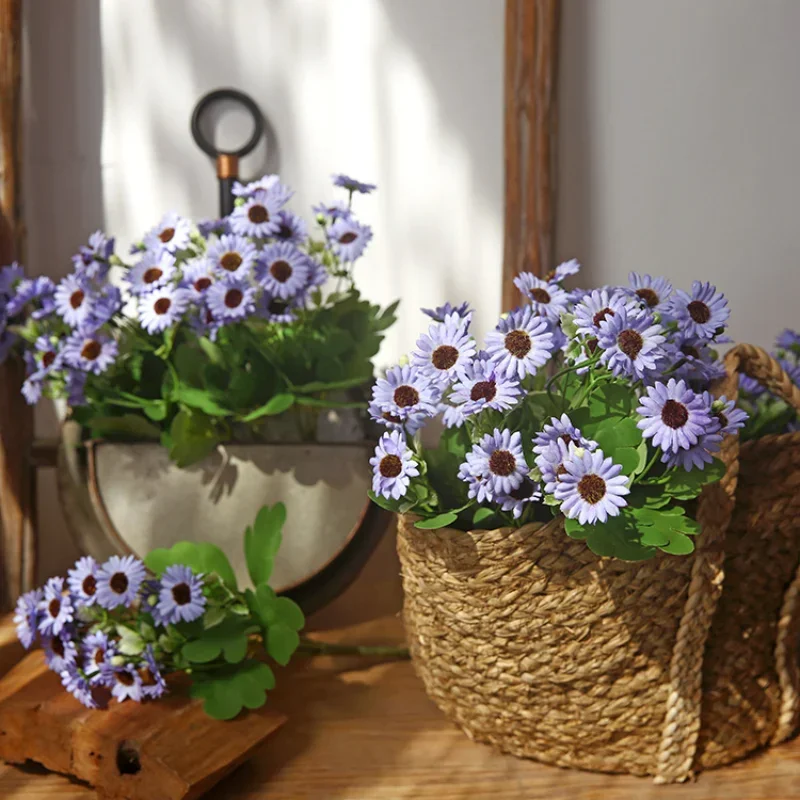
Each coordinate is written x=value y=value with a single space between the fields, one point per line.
x=230 y=261
x=99 y=656
x=148 y=679
x=48 y=358
x=162 y=305
x=518 y=343
x=406 y=396
x=723 y=420
x=233 y=298
x=601 y=315
x=483 y=390
x=284 y=232
x=76 y=298
x=674 y=414
x=89 y=585
x=524 y=490
x=444 y=356
x=91 y=350
x=166 y=235
x=391 y=418
x=391 y=466
x=502 y=462
x=181 y=593
x=540 y=295
x=201 y=284
x=57 y=646
x=630 y=342
x=258 y=214
x=561 y=470
x=591 y=344
x=119 y=582
x=54 y=607
x=688 y=350
x=592 y=488
x=152 y=275
x=649 y=296
x=348 y=238
x=281 y=271
x=125 y=678
x=699 y=311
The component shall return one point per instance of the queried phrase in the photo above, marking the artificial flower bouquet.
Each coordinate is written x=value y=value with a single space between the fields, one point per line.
x=118 y=629
x=592 y=404
x=224 y=331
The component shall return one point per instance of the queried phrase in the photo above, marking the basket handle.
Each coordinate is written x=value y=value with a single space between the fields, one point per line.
x=682 y=719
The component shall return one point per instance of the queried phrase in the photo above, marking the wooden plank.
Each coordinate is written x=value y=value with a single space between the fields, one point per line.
x=362 y=730
x=530 y=132
x=17 y=548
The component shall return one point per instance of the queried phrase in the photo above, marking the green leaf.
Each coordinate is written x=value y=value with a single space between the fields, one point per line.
x=684 y=485
x=612 y=400
x=481 y=514
x=574 y=529
x=319 y=403
x=200 y=399
x=321 y=386
x=679 y=545
x=262 y=541
x=189 y=363
x=288 y=613
x=130 y=642
x=269 y=609
x=229 y=638
x=212 y=350
x=227 y=691
x=201 y=557
x=156 y=411
x=127 y=426
x=387 y=504
x=281 y=642
x=276 y=405
x=618 y=537
x=627 y=458
x=387 y=318
x=439 y=521
x=213 y=617
x=614 y=432
x=193 y=438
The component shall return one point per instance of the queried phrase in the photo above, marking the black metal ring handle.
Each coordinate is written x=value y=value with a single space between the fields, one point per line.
x=227 y=94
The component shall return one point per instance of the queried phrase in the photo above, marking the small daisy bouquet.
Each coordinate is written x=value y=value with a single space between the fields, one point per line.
x=119 y=629
x=211 y=332
x=767 y=413
x=591 y=404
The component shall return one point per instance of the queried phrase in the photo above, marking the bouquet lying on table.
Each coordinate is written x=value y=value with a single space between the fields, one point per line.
x=591 y=404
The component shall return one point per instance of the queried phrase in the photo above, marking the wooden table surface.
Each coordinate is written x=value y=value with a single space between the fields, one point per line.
x=361 y=730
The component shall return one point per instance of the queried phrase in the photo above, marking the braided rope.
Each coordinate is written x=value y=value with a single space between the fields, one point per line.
x=786 y=662
x=684 y=702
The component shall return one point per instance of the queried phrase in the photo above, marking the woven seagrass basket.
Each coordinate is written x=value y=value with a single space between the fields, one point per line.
x=530 y=642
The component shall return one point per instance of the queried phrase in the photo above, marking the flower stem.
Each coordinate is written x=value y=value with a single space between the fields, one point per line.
x=313 y=647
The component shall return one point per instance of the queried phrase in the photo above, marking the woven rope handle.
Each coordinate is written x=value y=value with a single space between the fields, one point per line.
x=684 y=701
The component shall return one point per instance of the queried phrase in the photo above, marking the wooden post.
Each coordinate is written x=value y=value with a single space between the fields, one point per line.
x=16 y=418
x=531 y=61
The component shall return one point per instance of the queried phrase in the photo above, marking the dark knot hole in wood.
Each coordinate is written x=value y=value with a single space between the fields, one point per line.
x=128 y=758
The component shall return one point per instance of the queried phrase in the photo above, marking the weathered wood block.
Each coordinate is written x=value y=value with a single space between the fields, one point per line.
x=165 y=750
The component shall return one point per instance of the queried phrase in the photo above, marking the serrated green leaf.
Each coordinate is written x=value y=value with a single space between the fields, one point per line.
x=201 y=557
x=262 y=541
x=281 y=642
x=276 y=405
x=439 y=521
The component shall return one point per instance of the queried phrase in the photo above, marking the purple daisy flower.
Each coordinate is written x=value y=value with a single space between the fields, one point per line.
x=27 y=615
x=82 y=580
x=60 y=652
x=98 y=650
x=750 y=386
x=257 y=216
x=334 y=211
x=77 y=685
x=480 y=386
x=276 y=309
x=162 y=308
x=352 y=185
x=91 y=352
x=213 y=227
x=527 y=492
x=564 y=430
x=153 y=683
x=349 y=238
x=699 y=362
x=791 y=369
x=405 y=395
x=181 y=597
x=440 y=313
x=563 y=271
x=631 y=345
x=73 y=300
x=702 y=313
x=231 y=300
x=445 y=349
x=317 y=273
x=673 y=416
x=197 y=278
x=118 y=581
x=290 y=228
x=156 y=269
x=75 y=388
x=10 y=276
x=282 y=270
x=788 y=340
x=547 y=299
x=263 y=184
x=233 y=256
x=550 y=462
x=32 y=389
x=520 y=344
x=696 y=456
x=124 y=682
x=104 y=306
x=654 y=293
x=452 y=416
x=39 y=292
x=596 y=307
x=393 y=466
x=56 y=608
x=592 y=488
x=498 y=462
x=172 y=233
x=92 y=259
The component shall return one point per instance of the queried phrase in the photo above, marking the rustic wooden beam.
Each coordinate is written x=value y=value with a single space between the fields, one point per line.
x=531 y=61
x=16 y=418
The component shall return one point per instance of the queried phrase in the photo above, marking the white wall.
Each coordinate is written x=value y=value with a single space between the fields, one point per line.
x=680 y=126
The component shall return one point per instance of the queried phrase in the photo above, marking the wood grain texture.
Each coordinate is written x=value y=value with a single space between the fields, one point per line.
x=530 y=132
x=16 y=417
x=360 y=730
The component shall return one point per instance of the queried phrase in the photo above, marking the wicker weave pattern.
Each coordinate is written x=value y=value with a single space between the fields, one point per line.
x=531 y=643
